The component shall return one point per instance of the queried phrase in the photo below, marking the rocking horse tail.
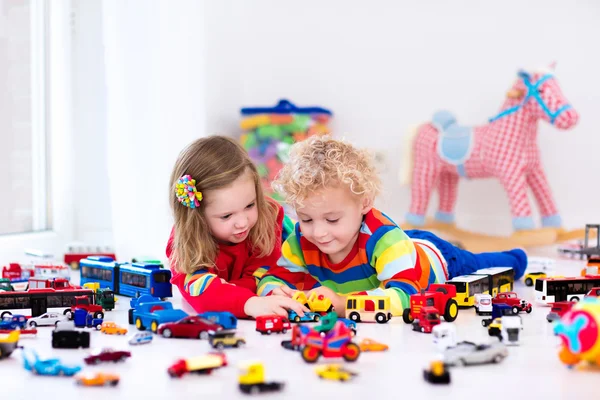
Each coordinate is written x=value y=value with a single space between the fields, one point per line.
x=407 y=162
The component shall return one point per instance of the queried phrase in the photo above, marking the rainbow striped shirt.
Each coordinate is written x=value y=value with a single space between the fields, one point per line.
x=383 y=261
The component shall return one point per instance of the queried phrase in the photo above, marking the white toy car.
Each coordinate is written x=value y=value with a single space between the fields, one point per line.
x=65 y=325
x=46 y=319
x=140 y=338
x=512 y=326
x=444 y=336
x=468 y=353
x=483 y=303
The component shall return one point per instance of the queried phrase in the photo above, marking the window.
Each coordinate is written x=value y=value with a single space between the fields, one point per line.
x=161 y=277
x=461 y=287
x=128 y=278
x=539 y=285
x=23 y=153
x=381 y=305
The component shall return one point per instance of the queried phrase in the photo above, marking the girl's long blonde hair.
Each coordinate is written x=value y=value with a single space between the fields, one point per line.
x=214 y=162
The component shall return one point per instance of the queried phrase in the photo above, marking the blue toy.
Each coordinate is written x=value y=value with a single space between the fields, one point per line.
x=149 y=312
x=51 y=366
x=140 y=338
x=11 y=322
x=226 y=319
x=308 y=317
x=498 y=310
x=350 y=324
x=83 y=319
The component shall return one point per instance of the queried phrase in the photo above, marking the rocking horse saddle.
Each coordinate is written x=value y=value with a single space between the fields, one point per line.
x=455 y=142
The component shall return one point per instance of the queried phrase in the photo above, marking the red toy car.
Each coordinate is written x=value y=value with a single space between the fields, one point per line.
x=426 y=320
x=559 y=309
x=511 y=299
x=336 y=343
x=440 y=296
x=189 y=327
x=84 y=303
x=106 y=354
x=594 y=292
x=272 y=323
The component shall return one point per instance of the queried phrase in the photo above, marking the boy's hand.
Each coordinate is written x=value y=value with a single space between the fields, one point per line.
x=283 y=290
x=338 y=301
x=279 y=305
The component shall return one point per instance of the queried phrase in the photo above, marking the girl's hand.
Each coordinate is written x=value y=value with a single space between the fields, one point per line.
x=338 y=301
x=279 y=305
x=283 y=290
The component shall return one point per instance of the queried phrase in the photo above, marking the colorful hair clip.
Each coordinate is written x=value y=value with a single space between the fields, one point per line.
x=186 y=192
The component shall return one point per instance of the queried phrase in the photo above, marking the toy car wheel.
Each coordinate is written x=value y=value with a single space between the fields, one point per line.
x=515 y=310
x=154 y=326
x=5 y=313
x=99 y=315
x=575 y=299
x=240 y=343
x=529 y=282
x=484 y=323
x=316 y=318
x=32 y=324
x=380 y=318
x=310 y=354
x=283 y=331
x=98 y=327
x=461 y=362
x=167 y=333
x=268 y=332
x=451 y=311
x=203 y=335
x=219 y=346
x=96 y=361
x=352 y=352
x=406 y=316
x=296 y=319
x=528 y=310
x=497 y=358
x=114 y=383
x=69 y=314
x=423 y=329
x=254 y=390
x=354 y=316
x=139 y=325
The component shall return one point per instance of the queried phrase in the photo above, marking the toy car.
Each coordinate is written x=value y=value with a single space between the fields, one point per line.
x=97 y=379
x=467 y=353
x=64 y=336
x=9 y=343
x=51 y=366
x=511 y=299
x=266 y=324
x=483 y=303
x=531 y=277
x=334 y=372
x=221 y=339
x=315 y=302
x=308 y=317
x=252 y=380
x=46 y=319
x=349 y=324
x=594 y=292
x=140 y=338
x=559 y=309
x=226 y=319
x=437 y=373
x=150 y=312
x=83 y=319
x=106 y=354
x=495 y=327
x=197 y=365
x=13 y=322
x=110 y=328
x=426 y=319
x=188 y=327
x=372 y=345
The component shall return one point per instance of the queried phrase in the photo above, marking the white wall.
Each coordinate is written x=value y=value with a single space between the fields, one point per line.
x=380 y=66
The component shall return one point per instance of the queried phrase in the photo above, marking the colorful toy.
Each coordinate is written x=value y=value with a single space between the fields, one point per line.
x=491 y=281
x=226 y=319
x=97 y=379
x=83 y=319
x=106 y=354
x=307 y=317
x=140 y=338
x=437 y=296
x=559 y=309
x=555 y=289
x=9 y=343
x=505 y=148
x=51 y=283
x=437 y=373
x=16 y=273
x=299 y=334
x=483 y=303
x=13 y=322
x=150 y=312
x=364 y=308
x=197 y=365
x=127 y=279
x=511 y=299
x=594 y=292
x=531 y=277
x=77 y=252
x=426 y=319
x=579 y=331
x=188 y=327
x=64 y=336
x=51 y=366
x=252 y=379
x=498 y=310
x=467 y=353
x=372 y=345
x=270 y=131
x=84 y=303
x=105 y=297
x=336 y=343
x=111 y=328
x=266 y=324
x=39 y=300
x=316 y=302
x=334 y=372
x=5 y=285
x=221 y=339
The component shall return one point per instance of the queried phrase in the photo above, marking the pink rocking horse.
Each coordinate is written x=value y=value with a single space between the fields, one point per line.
x=505 y=148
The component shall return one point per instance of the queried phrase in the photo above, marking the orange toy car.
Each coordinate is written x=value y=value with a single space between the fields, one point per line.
x=97 y=379
x=111 y=328
x=372 y=345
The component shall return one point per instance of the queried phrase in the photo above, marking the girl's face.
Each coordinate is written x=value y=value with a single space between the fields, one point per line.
x=231 y=211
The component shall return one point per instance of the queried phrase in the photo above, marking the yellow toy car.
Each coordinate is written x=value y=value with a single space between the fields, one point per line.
x=334 y=372
x=111 y=328
x=316 y=303
x=531 y=277
x=495 y=327
x=437 y=373
x=97 y=379
x=372 y=345
x=220 y=340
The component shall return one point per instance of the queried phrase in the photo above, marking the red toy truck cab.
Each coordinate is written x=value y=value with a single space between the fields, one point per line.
x=511 y=299
x=594 y=292
x=439 y=296
x=84 y=302
x=559 y=309
x=427 y=319
x=267 y=324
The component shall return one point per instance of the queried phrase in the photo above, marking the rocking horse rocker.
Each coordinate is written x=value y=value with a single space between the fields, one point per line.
x=505 y=148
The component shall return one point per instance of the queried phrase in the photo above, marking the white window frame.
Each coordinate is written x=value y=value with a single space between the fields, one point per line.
x=52 y=152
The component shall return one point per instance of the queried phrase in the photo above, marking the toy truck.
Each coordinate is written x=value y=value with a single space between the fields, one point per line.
x=252 y=380
x=65 y=336
x=5 y=285
x=105 y=297
x=440 y=296
x=510 y=330
x=427 y=319
x=299 y=333
x=266 y=324
x=151 y=313
x=498 y=311
x=224 y=318
x=84 y=303
x=51 y=283
x=336 y=343
x=559 y=309
x=83 y=319
x=197 y=365
x=511 y=299
x=316 y=303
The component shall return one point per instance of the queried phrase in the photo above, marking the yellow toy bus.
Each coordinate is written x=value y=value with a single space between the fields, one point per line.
x=362 y=308
x=490 y=281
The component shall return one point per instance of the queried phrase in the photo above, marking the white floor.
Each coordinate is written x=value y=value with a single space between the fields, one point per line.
x=531 y=371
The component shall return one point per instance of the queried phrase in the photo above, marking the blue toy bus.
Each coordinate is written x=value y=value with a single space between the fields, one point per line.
x=127 y=279
x=226 y=319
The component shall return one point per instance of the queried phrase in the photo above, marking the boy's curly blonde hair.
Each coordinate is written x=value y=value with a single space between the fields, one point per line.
x=321 y=161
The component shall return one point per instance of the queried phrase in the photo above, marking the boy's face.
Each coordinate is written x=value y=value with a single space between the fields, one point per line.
x=331 y=220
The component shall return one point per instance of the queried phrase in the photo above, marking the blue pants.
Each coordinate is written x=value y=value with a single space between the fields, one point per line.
x=463 y=262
